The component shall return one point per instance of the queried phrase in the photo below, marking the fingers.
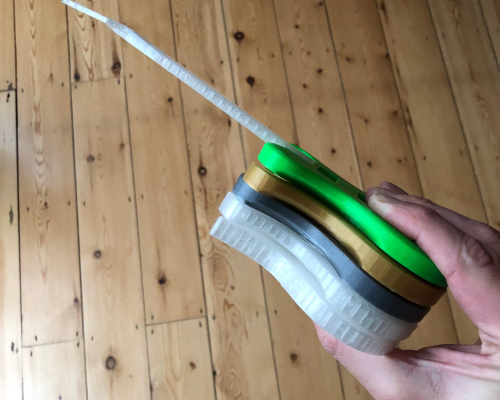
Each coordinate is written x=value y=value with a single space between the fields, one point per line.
x=470 y=267
x=476 y=229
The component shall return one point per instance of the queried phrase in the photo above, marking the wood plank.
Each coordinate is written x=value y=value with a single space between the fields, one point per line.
x=439 y=146
x=429 y=111
x=180 y=360
x=315 y=86
x=258 y=69
x=115 y=338
x=381 y=139
x=54 y=372
x=304 y=368
x=491 y=12
x=169 y=247
x=10 y=301
x=475 y=83
x=95 y=50
x=7 y=49
x=238 y=325
x=49 y=242
x=382 y=144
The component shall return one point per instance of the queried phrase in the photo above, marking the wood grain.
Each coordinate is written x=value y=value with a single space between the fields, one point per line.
x=180 y=360
x=440 y=149
x=95 y=50
x=54 y=372
x=434 y=128
x=262 y=91
x=49 y=242
x=382 y=144
x=10 y=292
x=238 y=325
x=315 y=86
x=7 y=52
x=475 y=82
x=115 y=339
x=169 y=247
x=259 y=75
x=305 y=369
x=491 y=12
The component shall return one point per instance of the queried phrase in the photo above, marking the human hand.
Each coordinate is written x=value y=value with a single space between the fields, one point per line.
x=467 y=253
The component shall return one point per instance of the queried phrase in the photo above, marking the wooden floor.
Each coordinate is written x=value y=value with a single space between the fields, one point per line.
x=111 y=174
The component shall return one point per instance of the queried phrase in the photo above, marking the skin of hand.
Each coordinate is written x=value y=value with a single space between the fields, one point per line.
x=467 y=253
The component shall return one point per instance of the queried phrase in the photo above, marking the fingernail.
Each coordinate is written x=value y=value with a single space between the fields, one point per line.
x=369 y=193
x=382 y=203
x=374 y=190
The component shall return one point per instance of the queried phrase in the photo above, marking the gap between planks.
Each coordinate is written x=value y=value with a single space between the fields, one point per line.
x=204 y=317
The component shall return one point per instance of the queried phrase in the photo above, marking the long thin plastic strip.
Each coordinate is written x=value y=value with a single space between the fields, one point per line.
x=190 y=79
x=300 y=284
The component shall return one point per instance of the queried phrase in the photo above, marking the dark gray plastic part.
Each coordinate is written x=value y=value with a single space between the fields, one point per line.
x=341 y=259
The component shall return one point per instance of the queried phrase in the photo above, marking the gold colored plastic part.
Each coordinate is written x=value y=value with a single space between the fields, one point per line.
x=371 y=259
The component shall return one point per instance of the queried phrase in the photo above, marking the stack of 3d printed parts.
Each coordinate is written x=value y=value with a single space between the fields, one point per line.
x=321 y=253
x=351 y=272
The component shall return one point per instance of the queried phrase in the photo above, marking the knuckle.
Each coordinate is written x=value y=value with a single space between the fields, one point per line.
x=423 y=212
x=330 y=344
x=491 y=235
x=474 y=253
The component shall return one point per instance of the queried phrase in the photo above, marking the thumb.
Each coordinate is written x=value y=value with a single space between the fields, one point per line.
x=471 y=269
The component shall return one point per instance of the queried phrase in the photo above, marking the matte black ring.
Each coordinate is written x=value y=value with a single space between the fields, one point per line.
x=350 y=273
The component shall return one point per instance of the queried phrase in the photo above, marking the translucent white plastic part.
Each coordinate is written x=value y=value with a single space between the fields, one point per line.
x=190 y=79
x=362 y=312
x=300 y=284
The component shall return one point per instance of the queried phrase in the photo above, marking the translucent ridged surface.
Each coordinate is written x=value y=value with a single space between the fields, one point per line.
x=301 y=285
x=360 y=311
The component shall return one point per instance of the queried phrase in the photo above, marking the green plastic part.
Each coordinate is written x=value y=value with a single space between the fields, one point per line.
x=325 y=185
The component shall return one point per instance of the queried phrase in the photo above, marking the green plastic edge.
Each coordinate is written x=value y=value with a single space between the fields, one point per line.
x=335 y=192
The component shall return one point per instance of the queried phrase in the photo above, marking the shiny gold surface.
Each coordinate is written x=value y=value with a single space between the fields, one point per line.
x=373 y=260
